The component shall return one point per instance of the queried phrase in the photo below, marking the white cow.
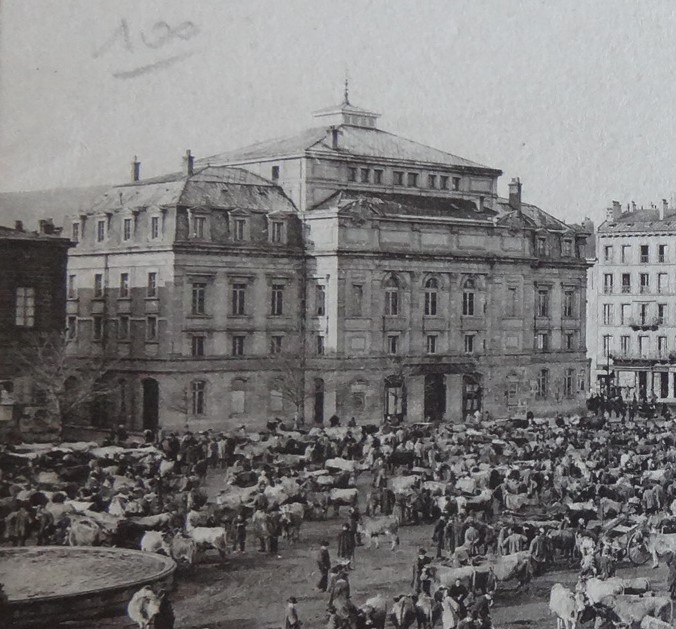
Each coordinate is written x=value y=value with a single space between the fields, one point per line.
x=143 y=607
x=563 y=604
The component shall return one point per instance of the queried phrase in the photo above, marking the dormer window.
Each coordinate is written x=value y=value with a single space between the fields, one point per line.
x=431 y=181
x=275 y=173
x=567 y=248
x=101 y=230
x=398 y=178
x=443 y=182
x=127 y=225
x=352 y=174
x=456 y=183
x=365 y=175
x=412 y=180
x=277 y=231
x=239 y=229
x=542 y=246
x=198 y=226
x=75 y=233
x=154 y=227
x=378 y=176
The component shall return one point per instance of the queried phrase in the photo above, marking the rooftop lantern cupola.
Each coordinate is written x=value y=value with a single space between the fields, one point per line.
x=347 y=114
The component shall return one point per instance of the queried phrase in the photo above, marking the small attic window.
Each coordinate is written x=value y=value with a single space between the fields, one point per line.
x=275 y=173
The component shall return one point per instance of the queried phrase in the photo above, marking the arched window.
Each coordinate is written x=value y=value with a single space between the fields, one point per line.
x=392 y=297
x=431 y=292
x=469 y=298
x=199 y=397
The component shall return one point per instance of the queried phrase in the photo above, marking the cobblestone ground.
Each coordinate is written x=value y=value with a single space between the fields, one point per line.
x=249 y=591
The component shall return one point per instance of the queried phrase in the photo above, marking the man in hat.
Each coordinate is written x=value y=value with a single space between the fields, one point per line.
x=291 y=620
x=421 y=577
x=324 y=565
x=539 y=550
x=482 y=605
x=439 y=533
x=346 y=543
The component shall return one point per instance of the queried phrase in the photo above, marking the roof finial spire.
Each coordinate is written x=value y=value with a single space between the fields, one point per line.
x=346 y=95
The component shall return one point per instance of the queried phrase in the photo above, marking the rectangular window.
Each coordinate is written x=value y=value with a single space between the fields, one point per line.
x=661 y=253
x=198 y=397
x=661 y=314
x=607 y=341
x=626 y=282
x=151 y=286
x=352 y=174
x=126 y=229
x=276 y=344
x=645 y=254
x=123 y=327
x=581 y=380
x=512 y=302
x=198 y=346
x=274 y=174
x=124 y=285
x=543 y=303
x=607 y=314
x=456 y=184
x=277 y=300
x=239 y=226
x=569 y=341
x=567 y=248
x=542 y=246
x=431 y=343
x=625 y=345
x=392 y=302
x=98 y=285
x=320 y=345
x=71 y=327
x=443 y=182
x=199 y=298
x=198 y=226
x=365 y=175
x=154 y=227
x=431 y=181
x=238 y=299
x=644 y=282
x=97 y=332
x=25 y=307
x=608 y=253
x=643 y=346
x=608 y=283
x=542 y=384
x=320 y=301
x=643 y=314
x=469 y=343
x=393 y=344
x=151 y=328
x=378 y=176
x=412 y=180
x=468 y=303
x=357 y=300
x=398 y=178
x=75 y=233
x=662 y=283
x=277 y=231
x=431 y=303
x=624 y=254
x=569 y=304
x=662 y=346
x=542 y=341
x=101 y=230
x=568 y=382
x=72 y=289
x=238 y=345
x=625 y=313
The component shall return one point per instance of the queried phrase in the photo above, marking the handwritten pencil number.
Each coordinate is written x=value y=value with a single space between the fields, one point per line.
x=160 y=35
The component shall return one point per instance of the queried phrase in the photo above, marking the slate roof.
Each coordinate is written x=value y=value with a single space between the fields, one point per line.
x=534 y=216
x=354 y=141
x=8 y=233
x=212 y=186
x=643 y=220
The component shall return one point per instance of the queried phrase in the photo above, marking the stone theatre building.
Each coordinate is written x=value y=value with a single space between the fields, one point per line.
x=384 y=276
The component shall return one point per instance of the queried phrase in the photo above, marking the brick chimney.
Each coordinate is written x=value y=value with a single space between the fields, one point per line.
x=613 y=213
x=515 y=194
x=188 y=164
x=18 y=226
x=664 y=208
x=135 y=169
x=46 y=226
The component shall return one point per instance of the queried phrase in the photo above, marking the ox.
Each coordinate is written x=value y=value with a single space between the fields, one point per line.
x=659 y=544
x=343 y=498
x=371 y=528
x=563 y=605
x=291 y=520
x=183 y=550
x=373 y=613
x=155 y=542
x=633 y=609
x=403 y=613
x=208 y=537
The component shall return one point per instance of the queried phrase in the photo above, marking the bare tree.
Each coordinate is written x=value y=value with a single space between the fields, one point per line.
x=290 y=379
x=64 y=383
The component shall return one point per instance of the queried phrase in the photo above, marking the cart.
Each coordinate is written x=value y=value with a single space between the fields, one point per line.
x=628 y=536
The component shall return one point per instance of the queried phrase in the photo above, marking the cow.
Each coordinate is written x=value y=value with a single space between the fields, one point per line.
x=597 y=589
x=404 y=485
x=153 y=522
x=291 y=520
x=86 y=532
x=342 y=498
x=155 y=542
x=143 y=607
x=650 y=622
x=373 y=613
x=633 y=609
x=563 y=605
x=183 y=550
x=659 y=544
x=371 y=528
x=427 y=611
x=403 y=612
x=208 y=537
x=563 y=541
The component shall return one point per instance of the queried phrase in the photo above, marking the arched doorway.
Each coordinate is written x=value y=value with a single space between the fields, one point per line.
x=151 y=404
x=435 y=396
x=395 y=397
x=319 y=400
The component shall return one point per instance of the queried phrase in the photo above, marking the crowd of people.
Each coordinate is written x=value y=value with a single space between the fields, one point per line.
x=490 y=491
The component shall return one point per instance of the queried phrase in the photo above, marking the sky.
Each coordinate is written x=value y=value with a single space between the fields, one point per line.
x=574 y=97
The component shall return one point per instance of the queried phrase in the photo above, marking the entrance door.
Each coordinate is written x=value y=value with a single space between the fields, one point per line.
x=151 y=404
x=435 y=397
x=642 y=384
x=395 y=398
x=664 y=384
x=471 y=395
x=319 y=400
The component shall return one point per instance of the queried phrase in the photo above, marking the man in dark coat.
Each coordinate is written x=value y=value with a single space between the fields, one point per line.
x=420 y=581
x=324 y=565
x=438 y=535
x=346 y=543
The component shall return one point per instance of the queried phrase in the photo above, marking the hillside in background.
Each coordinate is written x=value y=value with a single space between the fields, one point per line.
x=33 y=205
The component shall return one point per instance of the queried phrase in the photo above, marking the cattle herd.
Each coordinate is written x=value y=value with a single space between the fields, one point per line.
x=506 y=501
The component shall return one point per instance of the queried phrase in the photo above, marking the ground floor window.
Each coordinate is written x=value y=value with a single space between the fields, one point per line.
x=568 y=381
x=199 y=397
x=542 y=390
